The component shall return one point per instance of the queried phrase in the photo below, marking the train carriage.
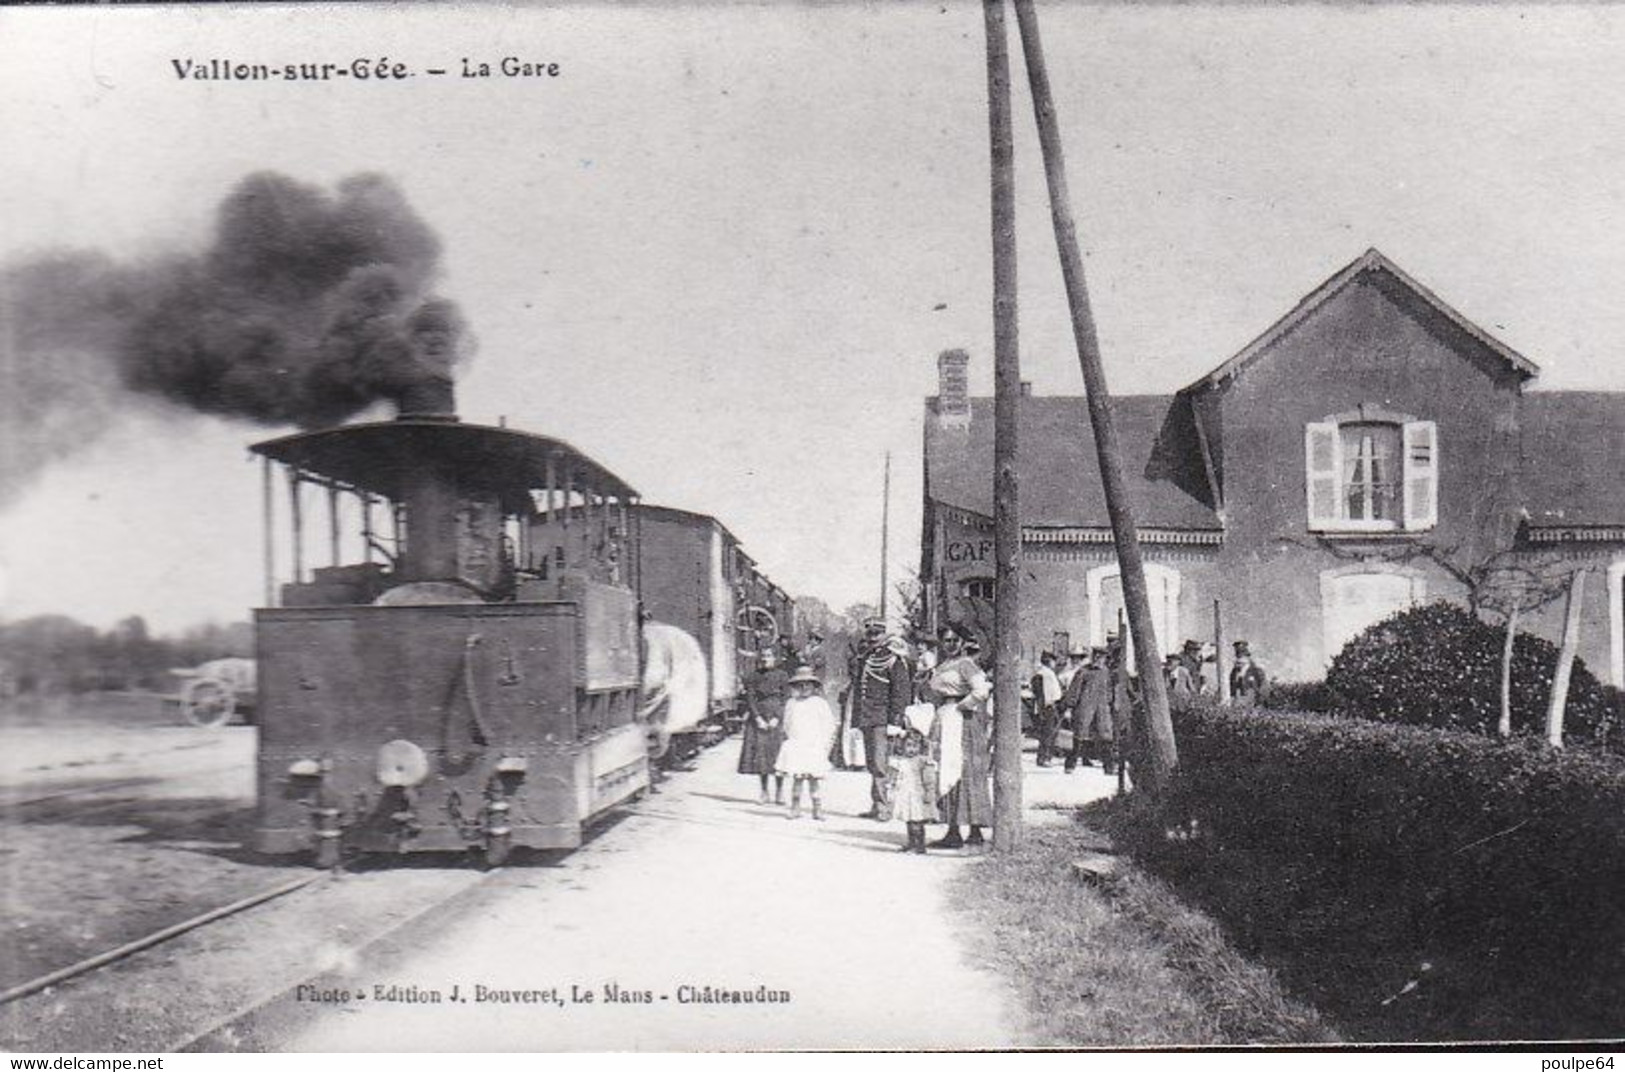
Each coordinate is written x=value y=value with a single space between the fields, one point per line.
x=698 y=578
x=464 y=672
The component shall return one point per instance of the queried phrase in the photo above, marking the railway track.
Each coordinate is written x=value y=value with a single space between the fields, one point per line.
x=41 y=807
x=175 y=930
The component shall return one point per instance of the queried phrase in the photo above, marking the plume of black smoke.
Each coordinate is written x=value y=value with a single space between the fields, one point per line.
x=307 y=308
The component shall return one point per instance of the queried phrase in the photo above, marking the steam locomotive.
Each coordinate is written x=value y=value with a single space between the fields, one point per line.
x=467 y=669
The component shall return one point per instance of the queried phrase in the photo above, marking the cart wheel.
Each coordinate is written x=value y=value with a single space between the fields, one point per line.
x=208 y=703
x=327 y=853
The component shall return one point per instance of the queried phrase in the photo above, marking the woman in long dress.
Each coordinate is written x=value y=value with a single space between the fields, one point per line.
x=809 y=727
x=961 y=742
x=764 y=726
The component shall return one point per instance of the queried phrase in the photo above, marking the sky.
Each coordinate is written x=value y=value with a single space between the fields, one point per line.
x=720 y=251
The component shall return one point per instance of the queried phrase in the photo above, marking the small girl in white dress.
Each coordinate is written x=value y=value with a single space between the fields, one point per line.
x=809 y=730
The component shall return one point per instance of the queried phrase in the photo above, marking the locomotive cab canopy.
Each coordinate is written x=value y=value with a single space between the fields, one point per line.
x=431 y=509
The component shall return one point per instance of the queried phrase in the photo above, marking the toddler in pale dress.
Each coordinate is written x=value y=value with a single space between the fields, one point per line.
x=914 y=788
x=809 y=731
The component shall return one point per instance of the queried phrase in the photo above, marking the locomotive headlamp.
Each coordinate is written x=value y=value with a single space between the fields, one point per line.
x=401 y=763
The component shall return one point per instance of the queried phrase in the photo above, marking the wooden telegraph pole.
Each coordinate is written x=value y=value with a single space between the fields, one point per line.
x=1162 y=755
x=885 y=532
x=1006 y=398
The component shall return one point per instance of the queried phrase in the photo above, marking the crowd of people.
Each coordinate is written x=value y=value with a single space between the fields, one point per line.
x=918 y=718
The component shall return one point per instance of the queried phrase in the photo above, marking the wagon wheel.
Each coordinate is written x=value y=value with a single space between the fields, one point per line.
x=758 y=631
x=208 y=703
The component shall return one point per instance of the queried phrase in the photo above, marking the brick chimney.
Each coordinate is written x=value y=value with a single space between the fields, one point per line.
x=953 y=390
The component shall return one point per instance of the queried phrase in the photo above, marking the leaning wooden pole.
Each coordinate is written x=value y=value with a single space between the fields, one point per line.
x=1006 y=399
x=1162 y=756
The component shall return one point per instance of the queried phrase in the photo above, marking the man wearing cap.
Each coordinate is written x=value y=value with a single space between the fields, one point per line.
x=1047 y=695
x=882 y=686
x=1246 y=677
x=1088 y=699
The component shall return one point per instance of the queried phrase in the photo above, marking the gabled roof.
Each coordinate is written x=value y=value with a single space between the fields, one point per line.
x=1573 y=466
x=1371 y=261
x=1060 y=475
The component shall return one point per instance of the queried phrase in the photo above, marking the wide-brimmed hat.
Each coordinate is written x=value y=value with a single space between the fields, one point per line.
x=897 y=645
x=804 y=675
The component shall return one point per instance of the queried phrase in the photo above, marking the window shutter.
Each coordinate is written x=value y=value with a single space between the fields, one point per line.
x=1323 y=449
x=1421 y=475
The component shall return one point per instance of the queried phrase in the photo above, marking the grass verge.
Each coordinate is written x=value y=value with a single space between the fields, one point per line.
x=1126 y=963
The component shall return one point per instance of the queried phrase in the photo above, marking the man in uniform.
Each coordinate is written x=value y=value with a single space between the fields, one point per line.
x=882 y=686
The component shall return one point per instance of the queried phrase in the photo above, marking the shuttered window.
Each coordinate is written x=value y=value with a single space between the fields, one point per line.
x=1323 y=450
x=1371 y=475
x=1421 y=475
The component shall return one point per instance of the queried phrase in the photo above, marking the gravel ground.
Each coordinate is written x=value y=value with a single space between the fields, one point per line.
x=698 y=886
x=115 y=823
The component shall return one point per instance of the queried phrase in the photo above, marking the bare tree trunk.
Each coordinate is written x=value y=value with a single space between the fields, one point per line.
x=1163 y=756
x=1504 y=727
x=1565 y=661
x=1223 y=679
x=1006 y=403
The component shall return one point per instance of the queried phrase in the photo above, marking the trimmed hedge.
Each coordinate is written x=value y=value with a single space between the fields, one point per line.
x=1438 y=665
x=1503 y=861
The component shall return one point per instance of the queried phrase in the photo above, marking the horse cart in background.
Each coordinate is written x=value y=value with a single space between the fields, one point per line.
x=212 y=693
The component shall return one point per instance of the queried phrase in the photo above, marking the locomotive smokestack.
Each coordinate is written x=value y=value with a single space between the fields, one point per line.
x=426 y=389
x=433 y=397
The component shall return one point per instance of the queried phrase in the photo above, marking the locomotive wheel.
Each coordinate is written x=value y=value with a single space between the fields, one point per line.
x=207 y=703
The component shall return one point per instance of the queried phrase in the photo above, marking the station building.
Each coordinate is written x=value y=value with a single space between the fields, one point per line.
x=1371 y=450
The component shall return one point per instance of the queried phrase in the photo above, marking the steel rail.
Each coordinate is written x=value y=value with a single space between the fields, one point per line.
x=68 y=792
x=156 y=937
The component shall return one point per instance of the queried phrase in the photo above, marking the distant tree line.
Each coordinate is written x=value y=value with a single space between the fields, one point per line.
x=53 y=653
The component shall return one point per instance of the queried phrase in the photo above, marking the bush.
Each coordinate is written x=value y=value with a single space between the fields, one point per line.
x=1438 y=665
x=1363 y=849
x=1300 y=696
